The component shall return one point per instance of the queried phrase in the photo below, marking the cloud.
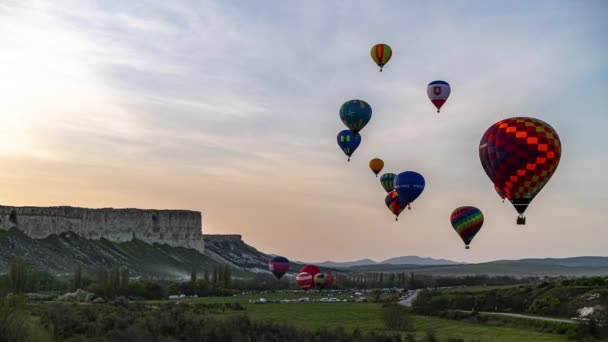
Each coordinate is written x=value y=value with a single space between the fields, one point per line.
x=233 y=110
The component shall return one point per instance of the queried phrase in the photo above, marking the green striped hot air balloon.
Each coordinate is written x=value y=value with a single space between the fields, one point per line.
x=381 y=54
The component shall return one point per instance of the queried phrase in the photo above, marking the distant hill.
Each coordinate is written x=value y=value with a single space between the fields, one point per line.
x=403 y=260
x=345 y=264
x=416 y=260
x=61 y=254
x=515 y=268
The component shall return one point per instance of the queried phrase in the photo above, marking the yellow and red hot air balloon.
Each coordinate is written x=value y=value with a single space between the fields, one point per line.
x=376 y=165
x=381 y=54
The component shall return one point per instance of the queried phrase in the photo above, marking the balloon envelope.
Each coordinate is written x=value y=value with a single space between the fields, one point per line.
x=320 y=280
x=304 y=280
x=381 y=54
x=409 y=185
x=355 y=114
x=520 y=155
x=311 y=269
x=467 y=222
x=387 y=180
x=331 y=279
x=348 y=142
x=438 y=92
x=278 y=266
x=394 y=203
x=376 y=165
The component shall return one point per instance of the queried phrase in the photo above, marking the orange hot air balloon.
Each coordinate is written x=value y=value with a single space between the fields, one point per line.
x=376 y=165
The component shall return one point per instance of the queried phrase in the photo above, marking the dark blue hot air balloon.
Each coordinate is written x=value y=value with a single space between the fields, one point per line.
x=409 y=185
x=348 y=142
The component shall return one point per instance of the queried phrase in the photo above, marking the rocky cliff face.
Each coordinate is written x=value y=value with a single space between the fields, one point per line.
x=177 y=228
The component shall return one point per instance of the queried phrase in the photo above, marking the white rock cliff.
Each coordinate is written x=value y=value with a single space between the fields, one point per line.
x=177 y=228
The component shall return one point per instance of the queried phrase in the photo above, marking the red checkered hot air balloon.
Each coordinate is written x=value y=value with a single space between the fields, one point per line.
x=520 y=155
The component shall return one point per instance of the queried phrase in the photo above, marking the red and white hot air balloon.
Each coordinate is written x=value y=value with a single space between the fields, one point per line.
x=304 y=280
x=438 y=92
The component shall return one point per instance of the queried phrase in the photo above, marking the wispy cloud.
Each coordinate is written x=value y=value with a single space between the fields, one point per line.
x=232 y=110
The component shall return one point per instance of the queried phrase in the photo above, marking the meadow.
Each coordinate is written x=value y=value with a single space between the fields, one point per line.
x=366 y=317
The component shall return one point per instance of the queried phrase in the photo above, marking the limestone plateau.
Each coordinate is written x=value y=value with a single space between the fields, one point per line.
x=176 y=228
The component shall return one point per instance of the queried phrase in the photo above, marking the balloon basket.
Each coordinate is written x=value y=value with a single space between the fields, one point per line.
x=521 y=220
x=467 y=247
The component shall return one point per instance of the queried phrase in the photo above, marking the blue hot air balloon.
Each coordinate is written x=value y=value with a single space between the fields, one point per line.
x=409 y=185
x=355 y=114
x=348 y=142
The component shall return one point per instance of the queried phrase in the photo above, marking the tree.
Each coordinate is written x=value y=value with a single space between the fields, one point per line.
x=17 y=276
x=77 y=279
x=193 y=275
x=227 y=276
x=123 y=282
x=23 y=277
x=206 y=276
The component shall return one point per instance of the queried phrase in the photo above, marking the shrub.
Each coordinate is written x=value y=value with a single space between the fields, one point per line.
x=396 y=317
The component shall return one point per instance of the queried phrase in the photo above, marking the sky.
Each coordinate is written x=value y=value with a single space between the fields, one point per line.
x=231 y=109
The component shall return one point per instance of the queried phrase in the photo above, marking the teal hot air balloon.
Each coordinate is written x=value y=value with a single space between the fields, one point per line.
x=387 y=181
x=355 y=114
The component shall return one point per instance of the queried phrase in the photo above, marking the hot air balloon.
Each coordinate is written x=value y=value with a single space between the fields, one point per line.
x=376 y=165
x=278 y=266
x=438 y=92
x=520 y=155
x=331 y=279
x=467 y=221
x=387 y=181
x=409 y=185
x=304 y=280
x=348 y=142
x=311 y=269
x=394 y=203
x=381 y=54
x=500 y=193
x=355 y=114
x=320 y=280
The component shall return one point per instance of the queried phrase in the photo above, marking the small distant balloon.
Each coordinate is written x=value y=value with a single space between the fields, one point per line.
x=320 y=280
x=331 y=279
x=394 y=203
x=467 y=222
x=304 y=280
x=348 y=142
x=381 y=54
x=409 y=185
x=387 y=180
x=376 y=165
x=278 y=266
x=355 y=114
x=438 y=92
x=311 y=269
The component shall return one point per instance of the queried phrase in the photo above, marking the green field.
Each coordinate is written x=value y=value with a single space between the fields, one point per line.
x=367 y=317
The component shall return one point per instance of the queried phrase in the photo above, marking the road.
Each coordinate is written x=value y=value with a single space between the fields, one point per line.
x=410 y=299
x=538 y=318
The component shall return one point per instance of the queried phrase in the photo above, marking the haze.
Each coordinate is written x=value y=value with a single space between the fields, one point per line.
x=231 y=108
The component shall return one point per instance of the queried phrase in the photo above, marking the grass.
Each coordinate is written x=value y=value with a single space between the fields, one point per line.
x=367 y=317
x=478 y=288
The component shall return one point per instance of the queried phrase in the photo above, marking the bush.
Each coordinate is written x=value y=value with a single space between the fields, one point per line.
x=396 y=317
x=15 y=324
